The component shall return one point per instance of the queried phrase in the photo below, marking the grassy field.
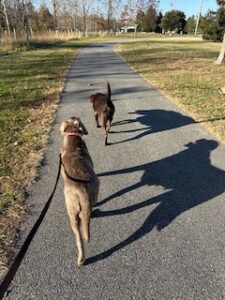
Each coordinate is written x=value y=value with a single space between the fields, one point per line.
x=183 y=68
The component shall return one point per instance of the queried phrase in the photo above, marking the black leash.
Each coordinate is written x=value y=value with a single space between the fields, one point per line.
x=17 y=261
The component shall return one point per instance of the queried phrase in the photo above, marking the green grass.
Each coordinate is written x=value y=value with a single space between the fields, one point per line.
x=183 y=68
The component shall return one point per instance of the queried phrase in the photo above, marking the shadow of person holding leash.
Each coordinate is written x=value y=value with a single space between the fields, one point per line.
x=190 y=180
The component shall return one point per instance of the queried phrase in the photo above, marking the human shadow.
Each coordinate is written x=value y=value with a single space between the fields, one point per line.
x=189 y=179
x=155 y=120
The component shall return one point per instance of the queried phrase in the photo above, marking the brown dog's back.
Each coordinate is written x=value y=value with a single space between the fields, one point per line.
x=99 y=102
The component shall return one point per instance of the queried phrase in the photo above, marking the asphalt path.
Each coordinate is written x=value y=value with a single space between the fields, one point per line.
x=158 y=230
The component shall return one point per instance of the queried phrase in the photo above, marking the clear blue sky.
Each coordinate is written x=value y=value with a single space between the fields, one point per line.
x=190 y=7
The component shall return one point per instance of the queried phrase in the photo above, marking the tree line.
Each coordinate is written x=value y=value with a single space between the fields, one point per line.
x=89 y=15
x=211 y=26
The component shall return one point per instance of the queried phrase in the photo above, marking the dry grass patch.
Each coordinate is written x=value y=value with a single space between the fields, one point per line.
x=183 y=68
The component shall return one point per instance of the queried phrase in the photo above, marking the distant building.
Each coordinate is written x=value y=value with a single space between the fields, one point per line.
x=126 y=29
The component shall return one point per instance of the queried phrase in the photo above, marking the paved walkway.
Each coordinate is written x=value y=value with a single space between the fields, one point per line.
x=159 y=230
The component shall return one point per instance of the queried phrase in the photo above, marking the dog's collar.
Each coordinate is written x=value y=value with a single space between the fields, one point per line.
x=73 y=134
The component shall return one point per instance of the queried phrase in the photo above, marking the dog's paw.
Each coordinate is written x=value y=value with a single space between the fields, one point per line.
x=80 y=263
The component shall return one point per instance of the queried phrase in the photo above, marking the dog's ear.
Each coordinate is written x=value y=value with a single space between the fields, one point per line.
x=63 y=126
x=83 y=129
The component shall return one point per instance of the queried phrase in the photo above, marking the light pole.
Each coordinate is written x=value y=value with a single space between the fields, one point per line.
x=172 y=3
x=198 y=18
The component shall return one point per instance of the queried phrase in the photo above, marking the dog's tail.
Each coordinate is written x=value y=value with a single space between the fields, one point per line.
x=108 y=92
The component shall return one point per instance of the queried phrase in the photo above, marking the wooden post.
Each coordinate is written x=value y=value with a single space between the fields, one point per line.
x=222 y=91
x=32 y=33
x=135 y=30
x=14 y=34
x=221 y=56
x=57 y=34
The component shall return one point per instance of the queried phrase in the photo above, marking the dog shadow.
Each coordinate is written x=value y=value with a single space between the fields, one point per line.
x=188 y=175
x=153 y=121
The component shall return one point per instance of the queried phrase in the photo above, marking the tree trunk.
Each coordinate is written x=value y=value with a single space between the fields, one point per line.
x=109 y=17
x=6 y=16
x=26 y=31
x=221 y=57
x=84 y=19
x=55 y=13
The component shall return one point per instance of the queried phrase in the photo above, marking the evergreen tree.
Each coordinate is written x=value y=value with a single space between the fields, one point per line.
x=174 y=20
x=158 y=28
x=214 y=25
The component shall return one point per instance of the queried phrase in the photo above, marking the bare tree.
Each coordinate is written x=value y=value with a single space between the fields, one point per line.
x=26 y=26
x=110 y=13
x=55 y=4
x=140 y=5
x=6 y=16
x=73 y=5
x=86 y=5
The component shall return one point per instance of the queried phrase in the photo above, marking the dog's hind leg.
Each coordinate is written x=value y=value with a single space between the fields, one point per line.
x=75 y=225
x=109 y=125
x=96 y=191
x=73 y=209
x=85 y=225
x=106 y=138
x=85 y=215
x=97 y=120
x=105 y=128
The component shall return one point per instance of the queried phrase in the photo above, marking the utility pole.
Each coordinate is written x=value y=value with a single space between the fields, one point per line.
x=198 y=18
x=172 y=3
x=109 y=17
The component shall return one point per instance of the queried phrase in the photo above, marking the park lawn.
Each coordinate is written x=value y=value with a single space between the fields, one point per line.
x=183 y=69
